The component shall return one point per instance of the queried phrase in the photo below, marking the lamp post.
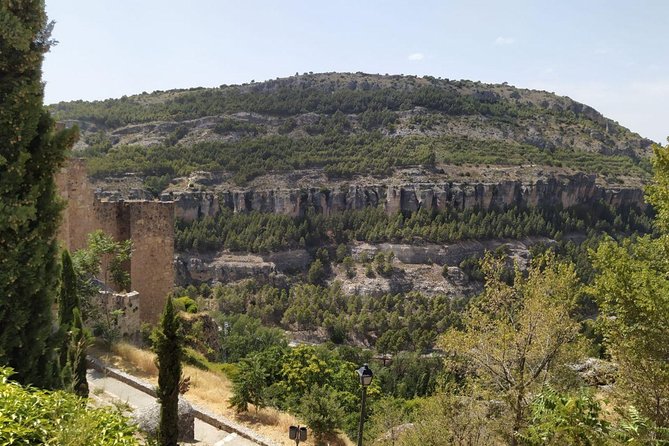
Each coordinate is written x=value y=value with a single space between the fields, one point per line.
x=366 y=375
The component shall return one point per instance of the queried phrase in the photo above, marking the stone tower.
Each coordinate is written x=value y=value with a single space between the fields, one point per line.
x=150 y=225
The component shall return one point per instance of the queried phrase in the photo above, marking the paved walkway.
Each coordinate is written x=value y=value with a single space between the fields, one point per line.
x=205 y=434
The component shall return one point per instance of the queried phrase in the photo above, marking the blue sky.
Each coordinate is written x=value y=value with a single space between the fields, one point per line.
x=610 y=54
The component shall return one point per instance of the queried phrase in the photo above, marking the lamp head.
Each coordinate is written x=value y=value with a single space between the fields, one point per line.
x=366 y=375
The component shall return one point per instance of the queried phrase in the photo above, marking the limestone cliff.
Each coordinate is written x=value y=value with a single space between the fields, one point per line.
x=564 y=191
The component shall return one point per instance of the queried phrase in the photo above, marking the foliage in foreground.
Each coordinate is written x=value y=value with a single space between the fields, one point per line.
x=460 y=417
x=29 y=416
x=632 y=290
x=31 y=152
x=517 y=337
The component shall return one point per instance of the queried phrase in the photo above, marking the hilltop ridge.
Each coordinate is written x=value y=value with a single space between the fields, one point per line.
x=349 y=124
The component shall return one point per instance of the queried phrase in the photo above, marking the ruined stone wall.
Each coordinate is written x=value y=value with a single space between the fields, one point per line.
x=150 y=225
x=128 y=322
x=74 y=187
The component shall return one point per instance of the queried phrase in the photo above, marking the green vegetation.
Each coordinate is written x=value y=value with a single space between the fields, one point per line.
x=338 y=155
x=262 y=232
x=502 y=372
x=29 y=416
x=168 y=345
x=321 y=410
x=293 y=96
x=31 y=152
x=296 y=379
x=559 y=419
x=631 y=287
x=515 y=338
x=243 y=334
x=347 y=125
x=102 y=264
x=75 y=338
x=393 y=322
x=249 y=384
x=343 y=156
x=80 y=340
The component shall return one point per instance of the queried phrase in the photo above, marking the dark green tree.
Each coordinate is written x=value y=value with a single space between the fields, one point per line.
x=76 y=354
x=68 y=300
x=321 y=410
x=74 y=337
x=249 y=385
x=168 y=345
x=31 y=151
x=316 y=274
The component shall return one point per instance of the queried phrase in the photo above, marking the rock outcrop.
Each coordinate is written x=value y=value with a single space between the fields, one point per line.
x=564 y=191
x=148 y=420
x=230 y=267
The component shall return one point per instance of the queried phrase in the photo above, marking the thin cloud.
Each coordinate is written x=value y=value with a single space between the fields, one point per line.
x=505 y=40
x=416 y=56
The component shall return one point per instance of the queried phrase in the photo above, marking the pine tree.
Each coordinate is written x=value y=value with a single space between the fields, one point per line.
x=31 y=151
x=167 y=343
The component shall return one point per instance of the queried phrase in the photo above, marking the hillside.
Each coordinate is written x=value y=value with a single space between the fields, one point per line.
x=345 y=124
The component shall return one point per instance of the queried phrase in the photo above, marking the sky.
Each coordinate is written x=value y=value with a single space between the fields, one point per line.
x=610 y=54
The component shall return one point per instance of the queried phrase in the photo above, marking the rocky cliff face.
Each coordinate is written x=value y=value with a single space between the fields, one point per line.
x=230 y=267
x=565 y=191
x=416 y=268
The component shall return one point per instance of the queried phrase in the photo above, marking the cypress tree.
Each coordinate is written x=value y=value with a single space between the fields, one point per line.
x=68 y=298
x=31 y=151
x=68 y=302
x=79 y=340
x=75 y=338
x=167 y=344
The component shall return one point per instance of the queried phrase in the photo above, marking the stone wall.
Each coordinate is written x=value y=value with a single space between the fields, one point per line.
x=128 y=321
x=152 y=263
x=150 y=225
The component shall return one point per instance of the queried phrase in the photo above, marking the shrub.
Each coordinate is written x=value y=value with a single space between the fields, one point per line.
x=34 y=417
x=186 y=304
x=321 y=410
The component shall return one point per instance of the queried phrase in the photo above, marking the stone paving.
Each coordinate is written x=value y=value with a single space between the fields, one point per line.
x=205 y=434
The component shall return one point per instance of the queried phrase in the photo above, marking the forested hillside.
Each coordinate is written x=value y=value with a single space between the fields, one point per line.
x=348 y=124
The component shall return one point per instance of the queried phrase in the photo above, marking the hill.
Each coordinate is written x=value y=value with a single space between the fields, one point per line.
x=347 y=124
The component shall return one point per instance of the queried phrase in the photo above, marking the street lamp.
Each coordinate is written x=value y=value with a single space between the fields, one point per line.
x=366 y=376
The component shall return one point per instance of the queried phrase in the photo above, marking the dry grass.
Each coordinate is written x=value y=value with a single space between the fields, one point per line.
x=140 y=361
x=211 y=390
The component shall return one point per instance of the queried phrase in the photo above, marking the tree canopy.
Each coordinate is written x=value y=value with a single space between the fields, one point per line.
x=31 y=151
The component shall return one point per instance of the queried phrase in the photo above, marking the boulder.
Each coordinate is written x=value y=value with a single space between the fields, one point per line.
x=596 y=372
x=148 y=420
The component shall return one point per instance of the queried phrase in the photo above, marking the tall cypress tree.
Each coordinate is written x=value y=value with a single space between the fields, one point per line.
x=68 y=298
x=167 y=343
x=30 y=153
x=76 y=354
x=73 y=337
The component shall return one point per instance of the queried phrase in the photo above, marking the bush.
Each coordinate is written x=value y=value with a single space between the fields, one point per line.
x=321 y=411
x=32 y=417
x=186 y=304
